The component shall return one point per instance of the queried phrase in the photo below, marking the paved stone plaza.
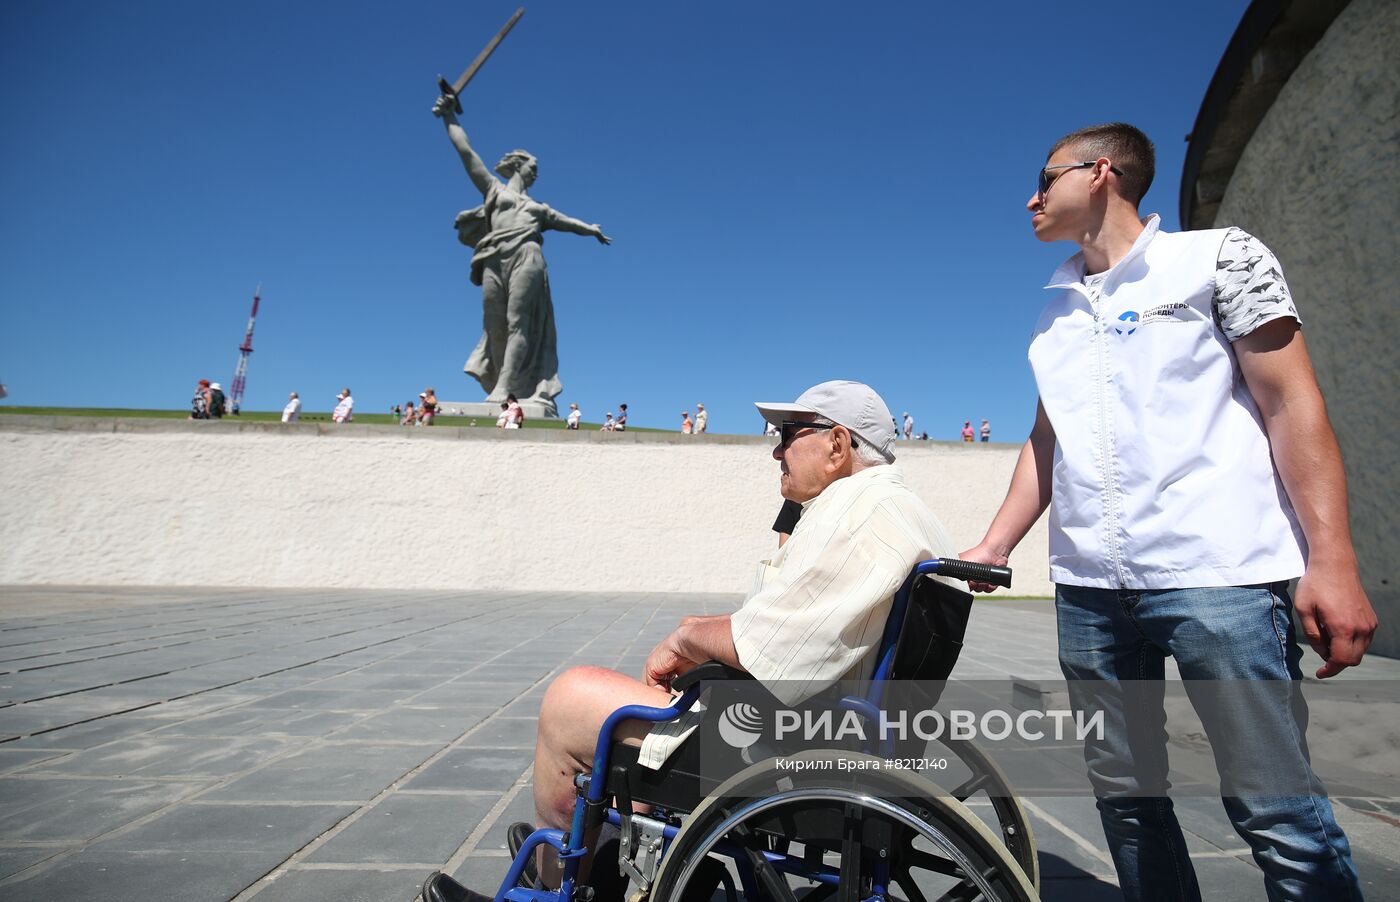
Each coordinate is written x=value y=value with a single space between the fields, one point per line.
x=338 y=745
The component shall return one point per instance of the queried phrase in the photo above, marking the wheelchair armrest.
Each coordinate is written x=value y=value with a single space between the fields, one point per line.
x=710 y=670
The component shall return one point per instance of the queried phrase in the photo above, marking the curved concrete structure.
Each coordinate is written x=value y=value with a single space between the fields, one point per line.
x=189 y=503
x=1299 y=143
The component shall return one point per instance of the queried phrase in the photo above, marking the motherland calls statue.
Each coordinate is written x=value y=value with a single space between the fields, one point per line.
x=518 y=351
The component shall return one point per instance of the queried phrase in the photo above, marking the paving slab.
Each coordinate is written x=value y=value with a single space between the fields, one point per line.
x=326 y=772
x=212 y=827
x=61 y=809
x=167 y=756
x=473 y=768
x=88 y=734
x=15 y=759
x=482 y=872
x=505 y=732
x=358 y=885
x=520 y=808
x=430 y=724
x=408 y=828
x=121 y=876
x=246 y=720
x=14 y=860
x=332 y=699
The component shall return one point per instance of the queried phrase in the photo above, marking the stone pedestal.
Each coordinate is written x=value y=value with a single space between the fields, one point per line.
x=487 y=410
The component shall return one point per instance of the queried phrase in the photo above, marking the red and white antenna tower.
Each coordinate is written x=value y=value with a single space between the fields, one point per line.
x=240 y=373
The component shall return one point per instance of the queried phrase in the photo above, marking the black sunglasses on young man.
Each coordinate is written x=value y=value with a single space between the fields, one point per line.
x=1046 y=181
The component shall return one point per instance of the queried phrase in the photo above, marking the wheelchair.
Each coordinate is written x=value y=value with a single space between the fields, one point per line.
x=832 y=823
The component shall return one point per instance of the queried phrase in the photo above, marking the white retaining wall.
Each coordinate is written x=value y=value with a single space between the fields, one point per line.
x=152 y=502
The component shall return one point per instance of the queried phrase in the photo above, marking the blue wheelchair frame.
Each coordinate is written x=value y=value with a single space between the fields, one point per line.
x=570 y=845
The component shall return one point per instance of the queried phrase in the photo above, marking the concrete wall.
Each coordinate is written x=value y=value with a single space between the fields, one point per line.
x=1319 y=182
x=145 y=502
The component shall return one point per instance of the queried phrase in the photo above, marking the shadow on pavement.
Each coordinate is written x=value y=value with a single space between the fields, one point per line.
x=1071 y=883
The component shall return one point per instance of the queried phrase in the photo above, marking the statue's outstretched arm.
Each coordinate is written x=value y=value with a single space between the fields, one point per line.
x=480 y=175
x=562 y=223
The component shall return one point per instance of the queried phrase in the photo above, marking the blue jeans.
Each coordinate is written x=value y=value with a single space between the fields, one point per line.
x=1231 y=633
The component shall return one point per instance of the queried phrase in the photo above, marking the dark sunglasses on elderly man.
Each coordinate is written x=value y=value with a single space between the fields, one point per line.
x=790 y=428
x=1046 y=180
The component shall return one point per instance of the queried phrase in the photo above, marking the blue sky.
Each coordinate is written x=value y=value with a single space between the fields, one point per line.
x=797 y=192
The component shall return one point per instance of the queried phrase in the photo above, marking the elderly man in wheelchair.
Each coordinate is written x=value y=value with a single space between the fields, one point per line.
x=849 y=599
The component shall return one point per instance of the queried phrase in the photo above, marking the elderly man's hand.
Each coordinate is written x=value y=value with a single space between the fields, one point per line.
x=688 y=619
x=665 y=663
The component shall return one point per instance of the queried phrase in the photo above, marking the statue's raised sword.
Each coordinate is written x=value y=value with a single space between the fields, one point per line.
x=451 y=91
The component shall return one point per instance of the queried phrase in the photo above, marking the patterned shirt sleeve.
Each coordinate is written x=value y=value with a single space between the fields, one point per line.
x=1249 y=286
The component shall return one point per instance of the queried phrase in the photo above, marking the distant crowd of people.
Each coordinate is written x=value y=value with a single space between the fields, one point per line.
x=421 y=413
x=985 y=431
x=619 y=424
x=209 y=401
x=699 y=425
x=905 y=430
x=344 y=411
x=968 y=433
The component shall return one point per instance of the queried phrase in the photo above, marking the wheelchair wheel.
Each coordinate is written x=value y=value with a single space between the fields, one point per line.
x=985 y=785
x=838 y=824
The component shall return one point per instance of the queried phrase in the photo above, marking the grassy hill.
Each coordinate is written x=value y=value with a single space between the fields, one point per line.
x=273 y=416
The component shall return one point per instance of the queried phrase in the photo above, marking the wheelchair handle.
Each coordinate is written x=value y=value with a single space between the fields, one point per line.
x=969 y=571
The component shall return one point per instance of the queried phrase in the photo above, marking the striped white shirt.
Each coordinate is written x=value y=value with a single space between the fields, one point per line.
x=821 y=605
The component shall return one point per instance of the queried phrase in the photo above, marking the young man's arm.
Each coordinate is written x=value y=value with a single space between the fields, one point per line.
x=1026 y=499
x=1335 y=612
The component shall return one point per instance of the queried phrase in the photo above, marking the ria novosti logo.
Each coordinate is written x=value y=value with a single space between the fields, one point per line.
x=742 y=724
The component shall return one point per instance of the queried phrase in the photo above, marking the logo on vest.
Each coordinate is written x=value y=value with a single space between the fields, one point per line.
x=1129 y=317
x=1165 y=313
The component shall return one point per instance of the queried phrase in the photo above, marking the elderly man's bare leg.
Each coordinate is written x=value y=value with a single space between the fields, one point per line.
x=574 y=708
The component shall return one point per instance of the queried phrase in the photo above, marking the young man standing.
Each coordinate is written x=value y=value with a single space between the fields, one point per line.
x=1184 y=449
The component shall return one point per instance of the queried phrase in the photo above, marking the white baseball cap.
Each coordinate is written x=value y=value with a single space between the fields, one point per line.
x=854 y=405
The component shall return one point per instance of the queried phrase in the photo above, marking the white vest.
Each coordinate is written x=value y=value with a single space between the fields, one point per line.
x=1162 y=474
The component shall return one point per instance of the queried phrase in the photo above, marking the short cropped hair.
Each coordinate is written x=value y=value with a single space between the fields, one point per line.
x=864 y=453
x=1129 y=149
